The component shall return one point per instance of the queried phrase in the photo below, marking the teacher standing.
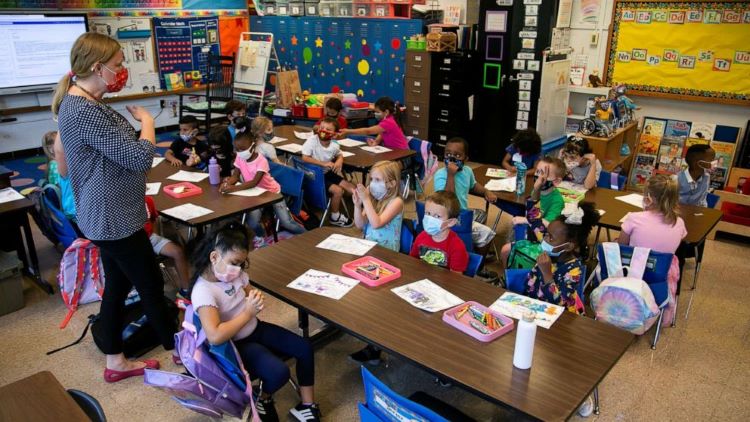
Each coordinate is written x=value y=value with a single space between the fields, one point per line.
x=107 y=164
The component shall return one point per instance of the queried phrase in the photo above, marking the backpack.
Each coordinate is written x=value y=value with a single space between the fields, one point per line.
x=81 y=276
x=41 y=214
x=523 y=255
x=309 y=220
x=215 y=383
x=625 y=301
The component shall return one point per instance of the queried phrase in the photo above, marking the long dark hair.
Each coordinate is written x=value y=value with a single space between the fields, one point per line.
x=387 y=104
x=231 y=236
x=579 y=233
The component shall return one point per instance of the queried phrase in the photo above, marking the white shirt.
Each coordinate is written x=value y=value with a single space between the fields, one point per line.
x=227 y=298
x=313 y=148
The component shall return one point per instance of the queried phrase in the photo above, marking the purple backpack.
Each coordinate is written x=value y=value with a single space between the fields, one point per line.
x=206 y=388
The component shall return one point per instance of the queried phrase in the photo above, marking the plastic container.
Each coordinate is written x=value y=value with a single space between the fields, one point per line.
x=314 y=112
x=465 y=320
x=357 y=113
x=366 y=270
x=298 y=110
x=214 y=171
x=182 y=190
x=520 y=178
x=523 y=354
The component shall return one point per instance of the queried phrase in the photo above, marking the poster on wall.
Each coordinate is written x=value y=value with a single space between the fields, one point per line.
x=182 y=48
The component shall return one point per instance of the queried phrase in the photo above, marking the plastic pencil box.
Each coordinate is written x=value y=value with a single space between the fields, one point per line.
x=478 y=321
x=182 y=190
x=371 y=271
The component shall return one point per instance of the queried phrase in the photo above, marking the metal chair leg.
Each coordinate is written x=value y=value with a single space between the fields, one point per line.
x=674 y=317
x=325 y=213
x=596 y=400
x=658 y=330
x=698 y=261
x=609 y=236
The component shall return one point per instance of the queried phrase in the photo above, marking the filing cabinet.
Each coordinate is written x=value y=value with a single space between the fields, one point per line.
x=417 y=94
x=451 y=85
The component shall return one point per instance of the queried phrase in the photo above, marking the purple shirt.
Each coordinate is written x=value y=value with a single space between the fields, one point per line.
x=392 y=135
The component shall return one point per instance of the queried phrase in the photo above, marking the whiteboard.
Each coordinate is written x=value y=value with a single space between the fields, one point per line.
x=552 y=112
x=253 y=57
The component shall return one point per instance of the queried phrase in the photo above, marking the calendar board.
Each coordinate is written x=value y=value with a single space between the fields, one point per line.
x=182 y=48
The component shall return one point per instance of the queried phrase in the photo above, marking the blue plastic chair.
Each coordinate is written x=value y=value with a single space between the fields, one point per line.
x=614 y=181
x=291 y=181
x=378 y=396
x=462 y=229
x=408 y=233
x=515 y=281
x=416 y=169
x=712 y=199
x=62 y=227
x=475 y=263
x=313 y=187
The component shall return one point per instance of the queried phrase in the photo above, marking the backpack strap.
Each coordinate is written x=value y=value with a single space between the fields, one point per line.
x=92 y=319
x=78 y=288
x=638 y=262
x=612 y=259
x=95 y=275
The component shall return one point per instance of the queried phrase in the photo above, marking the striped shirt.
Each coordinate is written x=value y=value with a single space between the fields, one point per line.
x=107 y=166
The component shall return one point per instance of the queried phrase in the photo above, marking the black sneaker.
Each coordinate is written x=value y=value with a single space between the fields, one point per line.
x=342 y=221
x=306 y=412
x=369 y=355
x=266 y=410
x=490 y=277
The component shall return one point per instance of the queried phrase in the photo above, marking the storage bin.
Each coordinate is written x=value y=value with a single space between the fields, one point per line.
x=282 y=10
x=344 y=9
x=327 y=9
x=315 y=112
x=361 y=10
x=296 y=9
x=381 y=11
x=298 y=110
x=312 y=8
x=11 y=283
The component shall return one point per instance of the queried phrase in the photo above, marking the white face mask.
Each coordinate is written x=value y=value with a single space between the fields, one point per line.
x=572 y=164
x=186 y=137
x=378 y=190
x=246 y=154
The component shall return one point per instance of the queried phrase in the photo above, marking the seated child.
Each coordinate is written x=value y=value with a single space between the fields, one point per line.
x=188 y=149
x=582 y=166
x=321 y=151
x=66 y=190
x=695 y=180
x=220 y=146
x=438 y=244
x=48 y=145
x=557 y=274
x=228 y=307
x=252 y=168
x=388 y=130
x=378 y=208
x=333 y=109
x=526 y=146
x=234 y=109
x=261 y=130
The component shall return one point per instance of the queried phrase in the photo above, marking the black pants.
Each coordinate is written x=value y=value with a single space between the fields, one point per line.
x=131 y=262
x=685 y=251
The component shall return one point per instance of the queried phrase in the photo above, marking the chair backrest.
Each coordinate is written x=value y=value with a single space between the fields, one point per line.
x=515 y=281
x=407 y=236
x=291 y=181
x=475 y=262
x=61 y=226
x=614 y=181
x=89 y=405
x=712 y=199
x=313 y=184
x=415 y=144
x=462 y=229
x=656 y=274
x=383 y=404
x=220 y=78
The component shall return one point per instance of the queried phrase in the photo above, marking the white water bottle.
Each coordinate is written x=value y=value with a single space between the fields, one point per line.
x=525 y=335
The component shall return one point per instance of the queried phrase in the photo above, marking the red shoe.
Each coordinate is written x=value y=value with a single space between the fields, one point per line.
x=110 y=375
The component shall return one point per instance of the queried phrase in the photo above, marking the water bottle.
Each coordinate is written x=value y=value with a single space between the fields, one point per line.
x=214 y=171
x=525 y=336
x=520 y=178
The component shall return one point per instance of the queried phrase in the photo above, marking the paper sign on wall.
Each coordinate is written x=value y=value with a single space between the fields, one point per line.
x=533 y=65
x=524 y=85
x=496 y=21
x=532 y=10
x=524 y=105
x=521 y=125
x=526 y=56
x=528 y=43
x=519 y=64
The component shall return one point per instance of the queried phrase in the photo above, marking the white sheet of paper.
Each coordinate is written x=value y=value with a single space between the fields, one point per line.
x=188 y=176
x=323 y=284
x=634 y=199
x=601 y=212
x=156 y=161
x=256 y=191
x=293 y=148
x=427 y=296
x=347 y=154
x=624 y=217
x=346 y=244
x=9 y=195
x=346 y=142
x=513 y=305
x=303 y=135
x=153 y=188
x=508 y=184
x=187 y=212
x=277 y=139
x=497 y=173
x=377 y=149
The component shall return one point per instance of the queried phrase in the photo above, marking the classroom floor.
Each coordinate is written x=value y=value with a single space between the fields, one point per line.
x=699 y=371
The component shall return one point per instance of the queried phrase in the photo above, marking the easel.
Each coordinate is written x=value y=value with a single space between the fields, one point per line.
x=255 y=55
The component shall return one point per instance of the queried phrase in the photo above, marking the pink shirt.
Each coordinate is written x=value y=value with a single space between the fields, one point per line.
x=248 y=169
x=647 y=229
x=392 y=135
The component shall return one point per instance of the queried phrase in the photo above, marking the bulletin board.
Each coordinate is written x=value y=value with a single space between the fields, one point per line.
x=685 y=50
x=182 y=48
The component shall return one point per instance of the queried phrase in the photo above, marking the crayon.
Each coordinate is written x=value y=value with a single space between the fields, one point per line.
x=479 y=327
x=461 y=313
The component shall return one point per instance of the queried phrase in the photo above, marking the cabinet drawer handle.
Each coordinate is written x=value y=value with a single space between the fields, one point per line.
x=415 y=115
x=416 y=91
x=418 y=66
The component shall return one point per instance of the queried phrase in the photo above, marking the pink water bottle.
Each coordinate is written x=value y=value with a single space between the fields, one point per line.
x=214 y=171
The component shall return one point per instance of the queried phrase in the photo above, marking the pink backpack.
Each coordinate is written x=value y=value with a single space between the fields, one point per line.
x=81 y=276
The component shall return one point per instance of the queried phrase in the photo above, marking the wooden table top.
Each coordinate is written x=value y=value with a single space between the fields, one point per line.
x=570 y=358
x=361 y=159
x=18 y=205
x=222 y=205
x=699 y=221
x=39 y=397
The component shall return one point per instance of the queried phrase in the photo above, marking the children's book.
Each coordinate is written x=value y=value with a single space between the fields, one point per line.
x=649 y=144
x=677 y=129
x=670 y=154
x=654 y=127
x=699 y=130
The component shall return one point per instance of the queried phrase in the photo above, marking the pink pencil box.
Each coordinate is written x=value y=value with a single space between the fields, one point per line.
x=371 y=271
x=462 y=317
x=182 y=190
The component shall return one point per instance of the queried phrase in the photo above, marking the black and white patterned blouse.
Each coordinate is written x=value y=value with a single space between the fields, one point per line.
x=107 y=166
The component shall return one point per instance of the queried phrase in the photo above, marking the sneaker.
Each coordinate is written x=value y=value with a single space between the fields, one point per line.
x=369 y=355
x=306 y=412
x=266 y=410
x=587 y=408
x=488 y=276
x=342 y=221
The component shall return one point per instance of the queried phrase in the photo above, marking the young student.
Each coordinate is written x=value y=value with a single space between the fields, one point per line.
x=234 y=109
x=321 y=151
x=378 y=208
x=252 y=168
x=694 y=181
x=438 y=244
x=220 y=146
x=582 y=166
x=48 y=145
x=228 y=309
x=63 y=181
x=526 y=146
x=333 y=109
x=261 y=130
x=387 y=131
x=188 y=149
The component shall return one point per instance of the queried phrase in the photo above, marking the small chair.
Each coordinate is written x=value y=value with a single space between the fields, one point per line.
x=381 y=402
x=89 y=405
x=408 y=233
x=219 y=82
x=314 y=190
x=419 y=167
x=462 y=229
x=63 y=228
x=290 y=180
x=515 y=281
x=475 y=263
x=614 y=181
x=712 y=199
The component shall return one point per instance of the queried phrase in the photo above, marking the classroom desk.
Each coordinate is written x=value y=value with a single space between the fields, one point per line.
x=15 y=218
x=222 y=205
x=39 y=397
x=570 y=359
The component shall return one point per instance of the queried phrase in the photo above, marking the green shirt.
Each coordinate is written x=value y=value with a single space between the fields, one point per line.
x=551 y=205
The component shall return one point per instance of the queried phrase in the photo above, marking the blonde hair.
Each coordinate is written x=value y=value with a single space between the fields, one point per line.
x=446 y=199
x=665 y=195
x=48 y=144
x=391 y=171
x=258 y=126
x=88 y=50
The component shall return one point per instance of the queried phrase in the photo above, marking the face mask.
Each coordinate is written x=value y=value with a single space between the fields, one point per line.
x=333 y=114
x=459 y=163
x=186 y=137
x=549 y=249
x=121 y=78
x=231 y=273
x=246 y=154
x=267 y=137
x=572 y=164
x=547 y=185
x=432 y=225
x=712 y=165
x=379 y=115
x=378 y=189
x=325 y=134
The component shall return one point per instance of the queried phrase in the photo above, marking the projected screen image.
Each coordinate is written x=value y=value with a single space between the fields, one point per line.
x=35 y=49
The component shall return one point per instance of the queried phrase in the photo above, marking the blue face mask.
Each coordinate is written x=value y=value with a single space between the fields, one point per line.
x=459 y=163
x=432 y=225
x=549 y=249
